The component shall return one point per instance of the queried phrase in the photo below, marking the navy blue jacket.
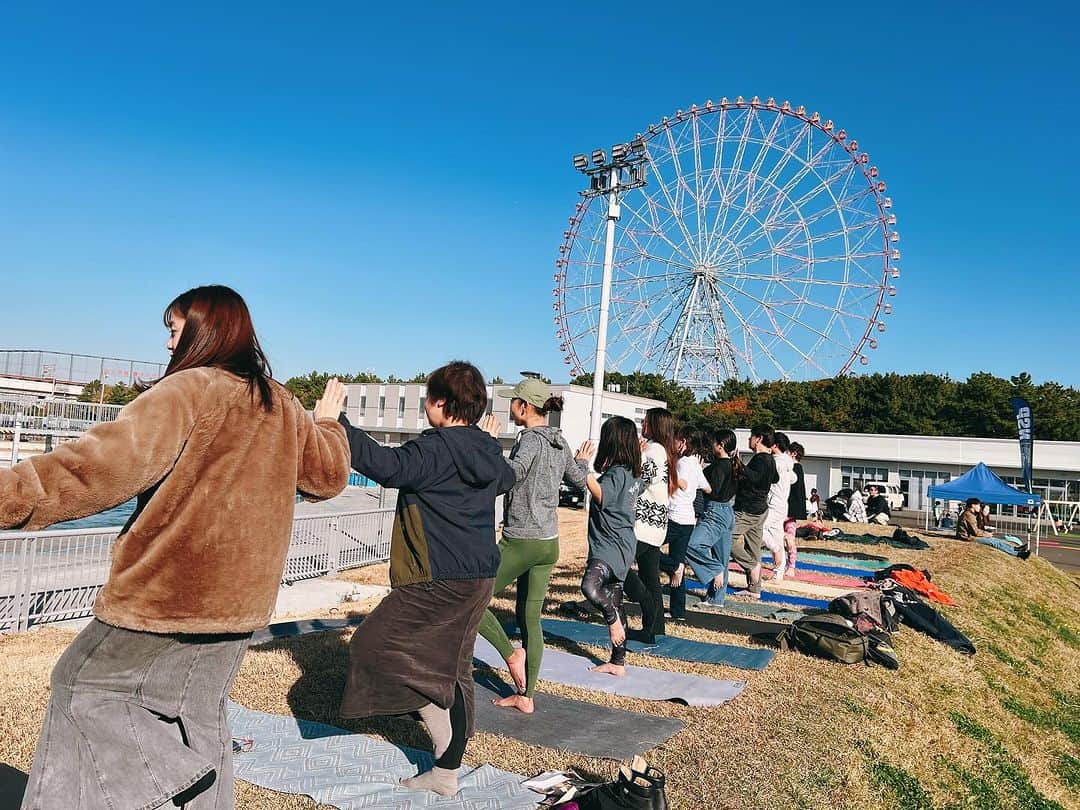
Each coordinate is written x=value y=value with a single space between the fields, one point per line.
x=447 y=481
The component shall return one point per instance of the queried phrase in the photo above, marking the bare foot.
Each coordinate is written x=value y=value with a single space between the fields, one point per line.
x=520 y=702
x=617 y=633
x=516 y=664
x=610 y=669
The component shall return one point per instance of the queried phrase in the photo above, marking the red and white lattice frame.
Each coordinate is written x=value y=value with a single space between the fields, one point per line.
x=576 y=334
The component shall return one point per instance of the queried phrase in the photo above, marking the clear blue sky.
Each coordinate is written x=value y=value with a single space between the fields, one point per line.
x=388 y=188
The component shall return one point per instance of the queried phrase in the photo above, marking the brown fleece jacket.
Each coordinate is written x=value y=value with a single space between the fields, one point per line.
x=216 y=476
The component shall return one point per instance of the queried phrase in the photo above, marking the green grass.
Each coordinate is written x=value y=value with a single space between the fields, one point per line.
x=855 y=707
x=1007 y=774
x=1017 y=666
x=1064 y=717
x=1067 y=769
x=904 y=788
x=1052 y=622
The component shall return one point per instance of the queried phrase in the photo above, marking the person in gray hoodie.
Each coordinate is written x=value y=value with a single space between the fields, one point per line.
x=541 y=460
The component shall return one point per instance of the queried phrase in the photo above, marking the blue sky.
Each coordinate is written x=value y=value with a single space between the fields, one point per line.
x=388 y=188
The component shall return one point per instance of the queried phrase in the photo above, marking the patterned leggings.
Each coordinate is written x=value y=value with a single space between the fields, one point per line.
x=604 y=590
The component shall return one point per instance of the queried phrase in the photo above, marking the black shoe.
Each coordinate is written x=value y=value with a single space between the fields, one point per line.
x=656 y=782
x=1024 y=551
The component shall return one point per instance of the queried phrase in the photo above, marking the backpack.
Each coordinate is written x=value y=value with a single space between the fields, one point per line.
x=828 y=636
x=870 y=605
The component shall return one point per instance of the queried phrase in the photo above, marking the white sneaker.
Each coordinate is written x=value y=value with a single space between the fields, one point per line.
x=778 y=575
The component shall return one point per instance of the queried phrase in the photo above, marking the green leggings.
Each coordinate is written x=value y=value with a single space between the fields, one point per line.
x=530 y=563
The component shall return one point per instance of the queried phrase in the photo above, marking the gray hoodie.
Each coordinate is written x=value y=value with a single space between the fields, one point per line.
x=541 y=460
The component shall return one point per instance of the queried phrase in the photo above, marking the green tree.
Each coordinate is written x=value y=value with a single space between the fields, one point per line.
x=120 y=394
x=91 y=392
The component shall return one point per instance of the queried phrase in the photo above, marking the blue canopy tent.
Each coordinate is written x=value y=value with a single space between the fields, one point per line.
x=983 y=483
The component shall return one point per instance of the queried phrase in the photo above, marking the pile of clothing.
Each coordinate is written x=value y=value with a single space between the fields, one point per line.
x=858 y=625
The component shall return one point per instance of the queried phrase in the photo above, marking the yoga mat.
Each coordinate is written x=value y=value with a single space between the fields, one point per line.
x=769 y=596
x=836 y=571
x=302 y=628
x=721 y=621
x=352 y=771
x=570 y=725
x=786 y=586
x=665 y=647
x=828 y=580
x=559 y=723
x=843 y=562
x=638 y=682
x=847 y=555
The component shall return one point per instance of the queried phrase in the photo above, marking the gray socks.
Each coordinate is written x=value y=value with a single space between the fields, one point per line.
x=438 y=780
x=438 y=725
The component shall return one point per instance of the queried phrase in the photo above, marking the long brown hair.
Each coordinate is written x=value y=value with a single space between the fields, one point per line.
x=618 y=446
x=218 y=333
x=661 y=426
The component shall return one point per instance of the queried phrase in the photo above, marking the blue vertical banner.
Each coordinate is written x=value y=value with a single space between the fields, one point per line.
x=1024 y=429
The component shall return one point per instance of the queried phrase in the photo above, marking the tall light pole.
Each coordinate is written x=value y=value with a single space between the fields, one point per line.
x=625 y=171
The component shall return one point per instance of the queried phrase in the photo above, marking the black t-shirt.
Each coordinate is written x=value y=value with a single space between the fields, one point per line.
x=721 y=478
x=752 y=495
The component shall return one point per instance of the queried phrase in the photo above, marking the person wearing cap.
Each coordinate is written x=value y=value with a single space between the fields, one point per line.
x=541 y=460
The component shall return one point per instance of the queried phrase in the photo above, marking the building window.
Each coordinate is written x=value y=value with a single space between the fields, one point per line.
x=401 y=407
x=382 y=407
x=363 y=402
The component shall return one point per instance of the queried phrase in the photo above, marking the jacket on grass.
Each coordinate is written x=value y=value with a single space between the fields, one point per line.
x=447 y=481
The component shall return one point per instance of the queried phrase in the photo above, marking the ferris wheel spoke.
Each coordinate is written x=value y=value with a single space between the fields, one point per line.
x=765 y=305
x=644 y=253
x=654 y=228
x=671 y=207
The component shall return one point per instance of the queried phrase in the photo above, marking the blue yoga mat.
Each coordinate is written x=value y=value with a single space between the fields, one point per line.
x=838 y=570
x=826 y=559
x=769 y=596
x=665 y=647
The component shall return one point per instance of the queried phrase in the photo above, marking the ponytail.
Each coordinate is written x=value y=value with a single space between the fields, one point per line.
x=554 y=404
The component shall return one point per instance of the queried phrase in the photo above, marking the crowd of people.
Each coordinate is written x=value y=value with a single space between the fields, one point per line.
x=215 y=450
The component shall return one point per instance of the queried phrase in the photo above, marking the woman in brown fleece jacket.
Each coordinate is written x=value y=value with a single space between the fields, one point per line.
x=215 y=452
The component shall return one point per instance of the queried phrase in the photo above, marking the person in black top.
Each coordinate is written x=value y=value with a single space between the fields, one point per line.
x=877 y=506
x=751 y=506
x=709 y=549
x=797 y=495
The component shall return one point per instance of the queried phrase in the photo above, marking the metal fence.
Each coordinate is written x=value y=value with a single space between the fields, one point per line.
x=56 y=575
x=51 y=416
x=75 y=368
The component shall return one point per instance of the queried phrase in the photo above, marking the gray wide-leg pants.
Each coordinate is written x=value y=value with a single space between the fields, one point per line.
x=136 y=719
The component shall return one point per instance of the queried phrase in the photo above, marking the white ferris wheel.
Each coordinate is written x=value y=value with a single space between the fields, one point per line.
x=754 y=240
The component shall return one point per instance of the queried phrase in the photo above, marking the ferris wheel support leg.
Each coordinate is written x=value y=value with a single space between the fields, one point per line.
x=605 y=302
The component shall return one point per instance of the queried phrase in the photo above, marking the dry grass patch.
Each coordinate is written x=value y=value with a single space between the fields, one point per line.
x=995 y=730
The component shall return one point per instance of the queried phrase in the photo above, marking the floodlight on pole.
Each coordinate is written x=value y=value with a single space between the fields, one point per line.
x=625 y=171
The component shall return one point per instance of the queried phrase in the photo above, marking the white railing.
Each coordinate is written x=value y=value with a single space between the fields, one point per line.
x=56 y=575
x=51 y=416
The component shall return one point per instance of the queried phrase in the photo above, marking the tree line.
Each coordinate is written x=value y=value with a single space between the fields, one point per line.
x=916 y=404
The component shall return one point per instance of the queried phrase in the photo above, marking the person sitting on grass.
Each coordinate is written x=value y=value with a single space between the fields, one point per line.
x=877 y=506
x=612 y=542
x=414 y=652
x=541 y=460
x=967 y=528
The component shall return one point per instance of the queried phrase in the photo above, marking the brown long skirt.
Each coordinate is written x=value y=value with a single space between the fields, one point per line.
x=415 y=647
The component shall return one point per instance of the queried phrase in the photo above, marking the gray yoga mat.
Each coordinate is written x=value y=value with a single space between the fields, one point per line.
x=638 y=682
x=353 y=771
x=302 y=628
x=559 y=723
x=664 y=647
x=570 y=725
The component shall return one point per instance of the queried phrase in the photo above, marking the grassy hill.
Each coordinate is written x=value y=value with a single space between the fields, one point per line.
x=997 y=730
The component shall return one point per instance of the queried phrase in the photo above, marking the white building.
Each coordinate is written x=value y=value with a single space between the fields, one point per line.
x=395 y=413
x=914 y=463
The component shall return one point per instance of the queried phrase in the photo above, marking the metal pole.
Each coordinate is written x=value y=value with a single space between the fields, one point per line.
x=605 y=301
